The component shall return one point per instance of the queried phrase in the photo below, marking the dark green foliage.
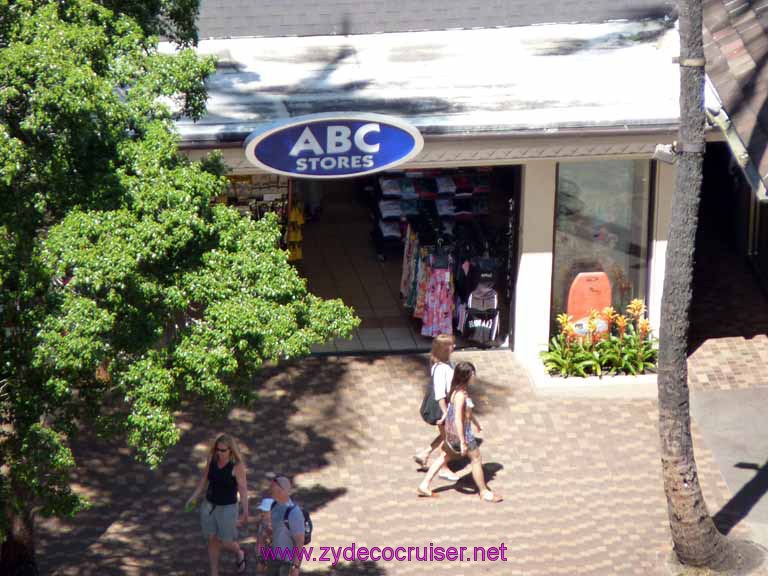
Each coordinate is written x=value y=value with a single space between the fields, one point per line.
x=123 y=292
x=570 y=358
x=630 y=354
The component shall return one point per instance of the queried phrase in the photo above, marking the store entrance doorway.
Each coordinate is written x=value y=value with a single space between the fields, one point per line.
x=354 y=248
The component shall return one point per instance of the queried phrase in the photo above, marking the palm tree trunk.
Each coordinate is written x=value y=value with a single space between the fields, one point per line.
x=696 y=539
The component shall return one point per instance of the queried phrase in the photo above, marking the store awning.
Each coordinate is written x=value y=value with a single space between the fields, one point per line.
x=533 y=80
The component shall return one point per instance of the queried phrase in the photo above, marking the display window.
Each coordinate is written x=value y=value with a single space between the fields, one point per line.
x=602 y=235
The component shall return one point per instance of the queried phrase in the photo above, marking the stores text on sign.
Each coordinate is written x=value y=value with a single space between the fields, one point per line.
x=333 y=145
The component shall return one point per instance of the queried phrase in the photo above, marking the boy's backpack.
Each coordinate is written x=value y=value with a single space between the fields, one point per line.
x=307 y=521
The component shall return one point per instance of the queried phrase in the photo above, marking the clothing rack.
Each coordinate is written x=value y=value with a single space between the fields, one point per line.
x=450 y=257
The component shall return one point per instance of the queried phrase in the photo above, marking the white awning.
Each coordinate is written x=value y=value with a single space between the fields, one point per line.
x=535 y=79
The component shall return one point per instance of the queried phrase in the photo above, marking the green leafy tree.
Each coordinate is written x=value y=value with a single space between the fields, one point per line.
x=123 y=291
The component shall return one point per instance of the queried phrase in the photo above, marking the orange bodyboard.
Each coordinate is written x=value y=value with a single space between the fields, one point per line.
x=589 y=291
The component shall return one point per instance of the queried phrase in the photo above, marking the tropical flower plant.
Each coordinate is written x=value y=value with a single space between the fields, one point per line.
x=627 y=346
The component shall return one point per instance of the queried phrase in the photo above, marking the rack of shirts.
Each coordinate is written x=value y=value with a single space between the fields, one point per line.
x=426 y=283
x=449 y=281
x=438 y=299
x=448 y=197
x=451 y=258
x=477 y=270
x=477 y=300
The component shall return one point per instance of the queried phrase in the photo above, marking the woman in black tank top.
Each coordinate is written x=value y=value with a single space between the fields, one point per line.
x=222 y=479
x=222 y=484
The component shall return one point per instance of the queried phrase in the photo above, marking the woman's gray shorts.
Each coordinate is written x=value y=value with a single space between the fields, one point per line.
x=219 y=521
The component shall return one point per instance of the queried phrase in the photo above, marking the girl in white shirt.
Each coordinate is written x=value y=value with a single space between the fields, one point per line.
x=459 y=440
x=441 y=371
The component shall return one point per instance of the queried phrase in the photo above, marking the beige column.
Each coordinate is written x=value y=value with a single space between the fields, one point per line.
x=665 y=187
x=534 y=279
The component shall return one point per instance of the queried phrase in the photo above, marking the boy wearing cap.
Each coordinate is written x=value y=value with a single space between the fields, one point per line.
x=287 y=533
x=264 y=531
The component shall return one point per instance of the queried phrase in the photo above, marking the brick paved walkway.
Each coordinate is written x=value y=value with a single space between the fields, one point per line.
x=729 y=324
x=581 y=478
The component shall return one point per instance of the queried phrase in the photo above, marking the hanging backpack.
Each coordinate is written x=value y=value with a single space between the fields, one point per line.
x=430 y=410
x=308 y=526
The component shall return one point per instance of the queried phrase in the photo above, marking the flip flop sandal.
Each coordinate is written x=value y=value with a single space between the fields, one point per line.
x=241 y=565
x=424 y=494
x=491 y=497
x=420 y=461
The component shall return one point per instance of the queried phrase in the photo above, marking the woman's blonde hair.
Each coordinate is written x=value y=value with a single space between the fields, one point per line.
x=229 y=442
x=441 y=349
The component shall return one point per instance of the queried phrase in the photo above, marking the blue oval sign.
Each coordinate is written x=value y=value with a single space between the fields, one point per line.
x=335 y=145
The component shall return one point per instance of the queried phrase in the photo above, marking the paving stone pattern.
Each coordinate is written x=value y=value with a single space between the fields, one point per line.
x=581 y=478
x=729 y=324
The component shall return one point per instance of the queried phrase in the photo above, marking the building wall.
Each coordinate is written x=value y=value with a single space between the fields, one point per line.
x=458 y=151
x=539 y=157
x=665 y=187
x=534 y=278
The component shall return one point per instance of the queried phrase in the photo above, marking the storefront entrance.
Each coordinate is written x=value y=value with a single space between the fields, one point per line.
x=353 y=247
x=339 y=261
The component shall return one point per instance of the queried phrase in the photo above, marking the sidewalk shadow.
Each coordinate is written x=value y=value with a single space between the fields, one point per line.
x=353 y=569
x=135 y=507
x=466 y=485
x=738 y=507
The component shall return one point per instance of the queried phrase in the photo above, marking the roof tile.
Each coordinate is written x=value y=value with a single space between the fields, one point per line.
x=749 y=33
x=736 y=7
x=716 y=16
x=734 y=47
x=745 y=122
x=758 y=48
x=328 y=17
x=743 y=85
x=728 y=89
x=725 y=35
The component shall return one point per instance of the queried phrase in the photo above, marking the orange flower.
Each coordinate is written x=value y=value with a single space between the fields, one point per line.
x=644 y=328
x=636 y=308
x=621 y=324
x=609 y=314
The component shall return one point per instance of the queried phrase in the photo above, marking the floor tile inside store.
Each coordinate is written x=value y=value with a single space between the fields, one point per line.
x=340 y=262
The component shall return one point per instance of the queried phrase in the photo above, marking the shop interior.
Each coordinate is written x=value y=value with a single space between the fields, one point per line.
x=414 y=253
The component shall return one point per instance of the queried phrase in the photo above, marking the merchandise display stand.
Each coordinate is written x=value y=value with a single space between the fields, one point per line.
x=293 y=235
